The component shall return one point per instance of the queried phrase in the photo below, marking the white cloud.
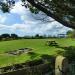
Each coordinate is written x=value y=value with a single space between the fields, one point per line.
x=2 y=18
x=49 y=29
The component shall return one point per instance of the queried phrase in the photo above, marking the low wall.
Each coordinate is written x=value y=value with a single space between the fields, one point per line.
x=41 y=69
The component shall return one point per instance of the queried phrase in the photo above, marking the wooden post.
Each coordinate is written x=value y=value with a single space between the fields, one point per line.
x=61 y=66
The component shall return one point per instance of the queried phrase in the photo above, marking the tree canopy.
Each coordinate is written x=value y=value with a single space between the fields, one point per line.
x=71 y=34
x=62 y=11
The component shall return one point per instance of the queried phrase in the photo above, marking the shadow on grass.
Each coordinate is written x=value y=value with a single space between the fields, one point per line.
x=44 y=57
x=48 y=58
x=33 y=55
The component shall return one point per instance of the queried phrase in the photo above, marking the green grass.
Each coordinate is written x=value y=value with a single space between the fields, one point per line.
x=38 y=46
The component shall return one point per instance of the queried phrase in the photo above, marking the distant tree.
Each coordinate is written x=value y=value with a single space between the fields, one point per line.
x=27 y=37
x=71 y=34
x=41 y=37
x=5 y=35
x=0 y=38
x=14 y=36
x=37 y=36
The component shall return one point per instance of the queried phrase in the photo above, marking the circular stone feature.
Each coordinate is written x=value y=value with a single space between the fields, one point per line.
x=61 y=66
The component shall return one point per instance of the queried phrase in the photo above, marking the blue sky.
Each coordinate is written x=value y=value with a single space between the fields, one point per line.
x=21 y=21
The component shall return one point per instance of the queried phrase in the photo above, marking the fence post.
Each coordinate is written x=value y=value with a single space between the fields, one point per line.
x=61 y=66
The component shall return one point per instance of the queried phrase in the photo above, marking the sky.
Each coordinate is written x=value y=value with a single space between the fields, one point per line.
x=22 y=22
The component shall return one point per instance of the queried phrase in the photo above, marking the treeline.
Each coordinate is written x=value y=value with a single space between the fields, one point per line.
x=37 y=36
x=6 y=37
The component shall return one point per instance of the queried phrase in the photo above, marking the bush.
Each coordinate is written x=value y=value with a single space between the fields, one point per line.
x=69 y=53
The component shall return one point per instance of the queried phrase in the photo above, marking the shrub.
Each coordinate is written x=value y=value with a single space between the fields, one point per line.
x=68 y=52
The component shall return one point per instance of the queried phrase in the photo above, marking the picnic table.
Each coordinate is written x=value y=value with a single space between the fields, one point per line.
x=52 y=43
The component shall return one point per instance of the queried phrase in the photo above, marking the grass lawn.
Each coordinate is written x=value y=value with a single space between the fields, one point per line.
x=38 y=46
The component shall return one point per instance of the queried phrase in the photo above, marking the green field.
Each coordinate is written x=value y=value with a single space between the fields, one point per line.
x=38 y=46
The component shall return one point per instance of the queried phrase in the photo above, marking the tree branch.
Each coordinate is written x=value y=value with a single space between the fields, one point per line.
x=49 y=13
